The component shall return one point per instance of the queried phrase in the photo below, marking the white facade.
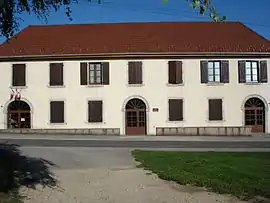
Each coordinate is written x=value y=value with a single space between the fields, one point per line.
x=155 y=92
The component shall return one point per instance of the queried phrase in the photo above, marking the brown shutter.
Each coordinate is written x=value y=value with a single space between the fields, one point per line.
x=57 y=111
x=131 y=73
x=263 y=72
x=242 y=71
x=138 y=72
x=172 y=72
x=215 y=109
x=175 y=109
x=204 y=71
x=56 y=74
x=83 y=73
x=106 y=73
x=179 y=77
x=18 y=75
x=225 y=72
x=95 y=111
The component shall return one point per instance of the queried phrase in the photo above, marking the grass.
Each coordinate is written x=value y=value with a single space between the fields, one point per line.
x=4 y=198
x=243 y=174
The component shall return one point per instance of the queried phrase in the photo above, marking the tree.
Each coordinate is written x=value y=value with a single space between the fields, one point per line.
x=9 y=10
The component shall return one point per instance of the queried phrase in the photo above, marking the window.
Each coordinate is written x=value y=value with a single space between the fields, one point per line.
x=175 y=110
x=214 y=71
x=252 y=72
x=135 y=72
x=95 y=111
x=175 y=72
x=57 y=111
x=56 y=74
x=215 y=109
x=18 y=75
x=94 y=73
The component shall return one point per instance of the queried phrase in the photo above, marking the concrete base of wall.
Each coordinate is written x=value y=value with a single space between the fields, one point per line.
x=88 y=131
x=207 y=131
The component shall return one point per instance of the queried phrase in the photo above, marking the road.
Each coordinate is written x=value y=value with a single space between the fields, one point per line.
x=139 y=144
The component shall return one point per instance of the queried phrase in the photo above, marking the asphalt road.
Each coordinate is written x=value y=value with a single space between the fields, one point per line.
x=138 y=144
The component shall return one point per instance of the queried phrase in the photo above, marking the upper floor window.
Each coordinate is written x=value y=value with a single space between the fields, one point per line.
x=175 y=72
x=94 y=73
x=18 y=75
x=252 y=71
x=214 y=71
x=56 y=74
x=135 y=72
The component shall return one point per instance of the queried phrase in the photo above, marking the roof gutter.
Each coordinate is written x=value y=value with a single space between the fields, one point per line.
x=139 y=54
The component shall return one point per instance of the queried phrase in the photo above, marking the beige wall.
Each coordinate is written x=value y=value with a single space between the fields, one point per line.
x=155 y=92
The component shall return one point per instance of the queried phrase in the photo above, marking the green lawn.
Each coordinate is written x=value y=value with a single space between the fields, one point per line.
x=242 y=174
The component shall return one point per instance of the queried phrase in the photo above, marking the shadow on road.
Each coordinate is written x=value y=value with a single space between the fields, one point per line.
x=17 y=170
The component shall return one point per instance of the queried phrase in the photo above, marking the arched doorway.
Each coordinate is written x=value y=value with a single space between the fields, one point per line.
x=135 y=117
x=18 y=115
x=255 y=114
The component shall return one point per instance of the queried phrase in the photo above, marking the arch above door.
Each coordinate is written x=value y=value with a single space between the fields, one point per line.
x=18 y=114
x=135 y=117
x=254 y=114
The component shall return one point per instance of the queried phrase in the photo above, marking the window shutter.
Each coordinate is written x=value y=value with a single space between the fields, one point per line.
x=175 y=109
x=172 y=72
x=131 y=73
x=179 y=77
x=225 y=72
x=138 y=72
x=83 y=73
x=215 y=109
x=204 y=71
x=95 y=111
x=57 y=111
x=106 y=73
x=18 y=75
x=242 y=71
x=56 y=74
x=263 y=72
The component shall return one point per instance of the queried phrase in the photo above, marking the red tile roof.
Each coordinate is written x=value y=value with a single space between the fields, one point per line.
x=134 y=38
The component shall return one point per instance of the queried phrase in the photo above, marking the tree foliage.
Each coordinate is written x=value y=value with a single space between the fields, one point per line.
x=11 y=9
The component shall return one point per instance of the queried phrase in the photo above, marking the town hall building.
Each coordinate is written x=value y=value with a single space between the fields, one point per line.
x=151 y=78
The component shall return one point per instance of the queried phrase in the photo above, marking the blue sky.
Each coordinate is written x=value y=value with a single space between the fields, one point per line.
x=254 y=14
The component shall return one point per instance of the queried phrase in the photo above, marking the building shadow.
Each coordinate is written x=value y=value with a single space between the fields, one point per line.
x=18 y=170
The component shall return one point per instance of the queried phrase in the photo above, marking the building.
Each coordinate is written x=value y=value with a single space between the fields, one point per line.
x=136 y=78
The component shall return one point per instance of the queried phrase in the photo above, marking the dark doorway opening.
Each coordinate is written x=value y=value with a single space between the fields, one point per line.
x=135 y=116
x=18 y=115
x=255 y=114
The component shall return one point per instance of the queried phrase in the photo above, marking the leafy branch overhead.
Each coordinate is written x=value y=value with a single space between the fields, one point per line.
x=11 y=9
x=206 y=7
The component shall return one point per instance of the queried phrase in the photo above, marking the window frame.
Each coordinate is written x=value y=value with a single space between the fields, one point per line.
x=95 y=82
x=251 y=71
x=214 y=71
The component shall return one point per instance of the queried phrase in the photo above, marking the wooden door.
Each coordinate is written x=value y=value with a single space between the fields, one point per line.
x=135 y=122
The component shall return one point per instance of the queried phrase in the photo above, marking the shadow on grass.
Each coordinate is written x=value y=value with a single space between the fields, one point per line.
x=17 y=170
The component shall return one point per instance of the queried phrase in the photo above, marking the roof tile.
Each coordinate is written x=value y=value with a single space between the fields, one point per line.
x=134 y=37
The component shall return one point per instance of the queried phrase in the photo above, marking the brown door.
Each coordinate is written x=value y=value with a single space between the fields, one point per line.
x=19 y=115
x=135 y=117
x=255 y=115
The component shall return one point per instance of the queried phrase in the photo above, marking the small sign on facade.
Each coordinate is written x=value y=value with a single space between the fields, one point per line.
x=155 y=109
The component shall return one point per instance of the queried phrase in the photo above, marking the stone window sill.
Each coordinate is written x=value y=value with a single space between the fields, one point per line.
x=65 y=123
x=19 y=87
x=56 y=86
x=135 y=85
x=215 y=84
x=174 y=85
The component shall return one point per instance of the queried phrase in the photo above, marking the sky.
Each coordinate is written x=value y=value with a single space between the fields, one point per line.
x=253 y=13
